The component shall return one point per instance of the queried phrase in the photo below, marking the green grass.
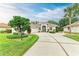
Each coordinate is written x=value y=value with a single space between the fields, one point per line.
x=16 y=36
x=15 y=47
x=74 y=36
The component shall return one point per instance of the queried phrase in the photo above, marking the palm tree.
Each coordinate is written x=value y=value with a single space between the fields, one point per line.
x=69 y=15
x=76 y=8
x=71 y=12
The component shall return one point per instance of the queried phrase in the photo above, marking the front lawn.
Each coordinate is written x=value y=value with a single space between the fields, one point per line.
x=74 y=36
x=15 y=47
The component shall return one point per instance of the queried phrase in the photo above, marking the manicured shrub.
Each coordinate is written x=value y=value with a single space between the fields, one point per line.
x=8 y=31
x=53 y=31
x=2 y=31
x=15 y=33
x=16 y=36
x=59 y=29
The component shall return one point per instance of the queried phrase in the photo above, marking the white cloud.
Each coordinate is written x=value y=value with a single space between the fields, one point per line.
x=7 y=11
x=45 y=9
x=49 y=14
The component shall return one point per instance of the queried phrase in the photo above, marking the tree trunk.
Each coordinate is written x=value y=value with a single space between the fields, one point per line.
x=69 y=25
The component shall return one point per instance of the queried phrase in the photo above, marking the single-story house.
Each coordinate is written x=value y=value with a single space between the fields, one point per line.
x=42 y=26
x=4 y=27
x=74 y=27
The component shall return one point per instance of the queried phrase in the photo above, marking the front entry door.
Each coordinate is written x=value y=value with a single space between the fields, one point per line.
x=43 y=28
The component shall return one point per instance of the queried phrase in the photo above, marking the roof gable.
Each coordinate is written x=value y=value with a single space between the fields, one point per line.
x=3 y=25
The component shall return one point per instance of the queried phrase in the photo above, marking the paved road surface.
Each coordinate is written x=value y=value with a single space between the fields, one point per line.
x=53 y=45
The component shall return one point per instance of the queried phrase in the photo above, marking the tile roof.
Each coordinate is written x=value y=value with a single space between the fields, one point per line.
x=3 y=25
x=73 y=24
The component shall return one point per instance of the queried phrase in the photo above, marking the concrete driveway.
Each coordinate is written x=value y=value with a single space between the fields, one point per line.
x=53 y=45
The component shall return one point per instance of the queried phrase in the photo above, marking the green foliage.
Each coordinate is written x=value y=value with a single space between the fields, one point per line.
x=59 y=29
x=2 y=31
x=70 y=16
x=65 y=21
x=16 y=47
x=16 y=36
x=19 y=23
x=6 y=31
x=76 y=8
x=15 y=33
x=54 y=31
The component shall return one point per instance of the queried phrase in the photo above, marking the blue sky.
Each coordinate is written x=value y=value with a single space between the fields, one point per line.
x=38 y=7
x=33 y=11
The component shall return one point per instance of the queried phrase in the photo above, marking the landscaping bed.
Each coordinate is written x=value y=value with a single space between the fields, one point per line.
x=15 y=47
x=74 y=36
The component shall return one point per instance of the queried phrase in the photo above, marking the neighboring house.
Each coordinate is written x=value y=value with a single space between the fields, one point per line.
x=42 y=26
x=4 y=27
x=74 y=27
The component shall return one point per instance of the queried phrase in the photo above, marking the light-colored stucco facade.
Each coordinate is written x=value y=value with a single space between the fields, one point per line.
x=5 y=27
x=42 y=27
x=74 y=27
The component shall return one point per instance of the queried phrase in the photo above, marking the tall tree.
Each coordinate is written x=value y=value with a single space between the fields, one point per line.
x=70 y=13
x=19 y=23
x=64 y=21
x=76 y=9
